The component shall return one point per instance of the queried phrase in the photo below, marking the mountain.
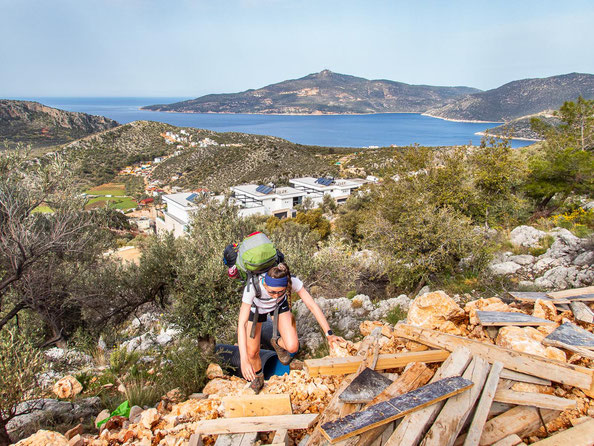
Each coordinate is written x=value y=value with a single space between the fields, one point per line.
x=518 y=98
x=521 y=128
x=323 y=93
x=42 y=126
x=222 y=160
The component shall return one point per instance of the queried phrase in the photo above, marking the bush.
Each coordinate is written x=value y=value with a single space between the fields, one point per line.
x=396 y=314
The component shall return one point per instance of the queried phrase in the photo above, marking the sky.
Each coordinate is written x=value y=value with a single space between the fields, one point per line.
x=188 y=48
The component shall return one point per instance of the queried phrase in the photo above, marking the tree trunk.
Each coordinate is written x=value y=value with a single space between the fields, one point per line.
x=4 y=437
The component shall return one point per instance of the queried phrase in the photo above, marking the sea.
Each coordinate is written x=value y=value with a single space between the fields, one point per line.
x=385 y=129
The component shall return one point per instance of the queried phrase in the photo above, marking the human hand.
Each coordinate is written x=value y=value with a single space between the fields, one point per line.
x=247 y=370
x=333 y=338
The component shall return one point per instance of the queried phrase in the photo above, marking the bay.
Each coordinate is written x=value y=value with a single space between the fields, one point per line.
x=401 y=129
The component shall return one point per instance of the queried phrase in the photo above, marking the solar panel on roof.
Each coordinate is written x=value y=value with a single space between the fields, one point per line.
x=191 y=197
x=264 y=189
x=320 y=180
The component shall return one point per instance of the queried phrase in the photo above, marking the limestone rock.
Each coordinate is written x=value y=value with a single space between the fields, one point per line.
x=519 y=339
x=149 y=418
x=504 y=268
x=384 y=307
x=584 y=259
x=135 y=412
x=544 y=309
x=523 y=260
x=555 y=353
x=77 y=430
x=436 y=311
x=214 y=371
x=526 y=236
x=44 y=438
x=103 y=415
x=233 y=386
x=490 y=304
x=67 y=387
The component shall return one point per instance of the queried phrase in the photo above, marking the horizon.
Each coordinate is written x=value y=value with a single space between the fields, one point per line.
x=190 y=48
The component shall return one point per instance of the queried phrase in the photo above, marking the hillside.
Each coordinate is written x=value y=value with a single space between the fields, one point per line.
x=42 y=126
x=230 y=158
x=323 y=93
x=521 y=127
x=518 y=98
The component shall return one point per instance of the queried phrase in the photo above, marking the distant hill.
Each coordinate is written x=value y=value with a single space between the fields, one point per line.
x=521 y=127
x=518 y=98
x=42 y=126
x=233 y=158
x=323 y=93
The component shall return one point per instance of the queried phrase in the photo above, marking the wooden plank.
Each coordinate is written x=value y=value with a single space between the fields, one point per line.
x=521 y=420
x=579 y=350
x=255 y=424
x=413 y=426
x=394 y=408
x=484 y=405
x=414 y=376
x=528 y=296
x=571 y=334
x=541 y=400
x=580 y=435
x=343 y=366
x=582 y=312
x=579 y=298
x=229 y=440
x=522 y=377
x=510 y=440
x=503 y=318
x=556 y=371
x=195 y=440
x=249 y=439
x=456 y=410
x=571 y=293
x=281 y=437
x=257 y=405
x=365 y=387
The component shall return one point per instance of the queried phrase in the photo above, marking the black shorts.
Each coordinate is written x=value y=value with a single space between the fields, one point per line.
x=262 y=317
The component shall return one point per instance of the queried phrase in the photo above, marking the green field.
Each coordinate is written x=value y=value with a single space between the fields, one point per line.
x=115 y=189
x=113 y=202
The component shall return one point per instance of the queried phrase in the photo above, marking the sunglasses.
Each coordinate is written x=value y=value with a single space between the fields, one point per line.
x=276 y=293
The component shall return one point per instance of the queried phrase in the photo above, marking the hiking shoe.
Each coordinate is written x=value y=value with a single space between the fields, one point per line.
x=283 y=355
x=257 y=383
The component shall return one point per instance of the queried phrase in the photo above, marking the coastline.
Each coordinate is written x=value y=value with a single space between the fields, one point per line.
x=283 y=114
x=463 y=120
x=504 y=137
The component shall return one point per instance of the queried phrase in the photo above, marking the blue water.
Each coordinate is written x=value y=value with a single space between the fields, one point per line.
x=401 y=129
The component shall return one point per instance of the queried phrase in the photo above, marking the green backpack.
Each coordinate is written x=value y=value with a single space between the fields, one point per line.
x=256 y=255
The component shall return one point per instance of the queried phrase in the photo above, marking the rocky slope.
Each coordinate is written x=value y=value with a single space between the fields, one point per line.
x=323 y=93
x=42 y=126
x=521 y=127
x=518 y=98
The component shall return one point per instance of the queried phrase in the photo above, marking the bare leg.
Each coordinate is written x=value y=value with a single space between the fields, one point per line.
x=288 y=332
x=253 y=347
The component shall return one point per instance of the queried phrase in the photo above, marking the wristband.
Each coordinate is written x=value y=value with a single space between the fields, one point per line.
x=329 y=333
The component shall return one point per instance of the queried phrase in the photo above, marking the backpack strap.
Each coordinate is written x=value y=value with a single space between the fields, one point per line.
x=256 y=282
x=254 y=323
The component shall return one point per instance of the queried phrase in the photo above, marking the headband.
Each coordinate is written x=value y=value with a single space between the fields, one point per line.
x=271 y=281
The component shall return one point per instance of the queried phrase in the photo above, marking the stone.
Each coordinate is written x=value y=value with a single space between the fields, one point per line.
x=173 y=396
x=77 y=440
x=436 y=311
x=197 y=396
x=584 y=259
x=77 y=430
x=67 y=387
x=135 y=412
x=149 y=418
x=384 y=307
x=116 y=422
x=504 y=268
x=544 y=309
x=519 y=339
x=523 y=260
x=560 y=278
x=490 y=304
x=214 y=371
x=103 y=415
x=555 y=353
x=545 y=263
x=44 y=438
x=233 y=386
x=526 y=236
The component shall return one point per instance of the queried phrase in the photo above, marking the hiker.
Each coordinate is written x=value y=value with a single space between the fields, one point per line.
x=276 y=287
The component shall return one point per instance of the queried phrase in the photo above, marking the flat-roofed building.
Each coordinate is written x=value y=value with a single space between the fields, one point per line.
x=266 y=200
x=177 y=214
x=316 y=188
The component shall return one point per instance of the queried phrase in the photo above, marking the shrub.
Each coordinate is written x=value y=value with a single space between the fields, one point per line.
x=396 y=314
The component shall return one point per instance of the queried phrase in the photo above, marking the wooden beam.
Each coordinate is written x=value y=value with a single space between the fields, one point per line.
x=255 y=424
x=484 y=405
x=571 y=334
x=456 y=410
x=522 y=377
x=414 y=376
x=257 y=405
x=528 y=296
x=510 y=440
x=571 y=293
x=394 y=408
x=541 y=400
x=281 y=437
x=580 y=435
x=582 y=312
x=343 y=366
x=413 y=426
x=505 y=318
x=584 y=352
x=556 y=371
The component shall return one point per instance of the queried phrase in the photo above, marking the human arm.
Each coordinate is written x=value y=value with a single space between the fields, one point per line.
x=315 y=309
x=242 y=333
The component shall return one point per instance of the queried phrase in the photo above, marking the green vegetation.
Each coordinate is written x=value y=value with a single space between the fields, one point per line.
x=114 y=189
x=123 y=203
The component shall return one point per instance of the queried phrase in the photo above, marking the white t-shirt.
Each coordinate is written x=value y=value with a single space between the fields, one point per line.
x=266 y=304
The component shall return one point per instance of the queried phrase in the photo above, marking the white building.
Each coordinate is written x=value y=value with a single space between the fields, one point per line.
x=265 y=200
x=316 y=188
x=177 y=215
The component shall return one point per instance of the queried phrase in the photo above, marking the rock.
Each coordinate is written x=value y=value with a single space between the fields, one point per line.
x=555 y=353
x=232 y=387
x=103 y=415
x=561 y=278
x=423 y=290
x=436 y=311
x=544 y=309
x=44 y=438
x=77 y=430
x=77 y=440
x=584 y=259
x=214 y=371
x=135 y=412
x=490 y=304
x=149 y=418
x=504 y=268
x=518 y=339
x=197 y=396
x=116 y=422
x=67 y=387
x=384 y=307
x=526 y=236
x=173 y=396
x=545 y=263
x=523 y=259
